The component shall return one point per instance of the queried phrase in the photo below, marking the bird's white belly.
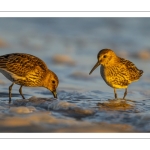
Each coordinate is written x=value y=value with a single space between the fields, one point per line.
x=9 y=75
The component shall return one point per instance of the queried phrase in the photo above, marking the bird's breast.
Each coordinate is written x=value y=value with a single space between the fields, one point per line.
x=113 y=77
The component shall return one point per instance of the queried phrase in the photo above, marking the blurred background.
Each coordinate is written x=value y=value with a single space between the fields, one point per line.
x=69 y=47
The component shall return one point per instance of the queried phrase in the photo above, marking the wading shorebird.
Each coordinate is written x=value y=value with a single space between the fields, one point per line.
x=117 y=72
x=27 y=70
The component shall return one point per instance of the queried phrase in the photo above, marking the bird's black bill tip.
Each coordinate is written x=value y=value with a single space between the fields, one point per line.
x=90 y=72
x=96 y=65
x=54 y=94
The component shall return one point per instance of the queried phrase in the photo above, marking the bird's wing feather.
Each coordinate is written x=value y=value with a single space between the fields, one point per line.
x=134 y=72
x=21 y=64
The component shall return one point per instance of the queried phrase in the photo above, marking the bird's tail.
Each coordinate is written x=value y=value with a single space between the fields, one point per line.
x=141 y=72
x=3 y=62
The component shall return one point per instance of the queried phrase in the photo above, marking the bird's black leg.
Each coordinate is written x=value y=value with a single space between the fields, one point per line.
x=20 y=91
x=125 y=93
x=115 y=93
x=10 y=88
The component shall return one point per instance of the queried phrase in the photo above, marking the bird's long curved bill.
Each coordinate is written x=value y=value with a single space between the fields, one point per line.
x=96 y=65
x=54 y=94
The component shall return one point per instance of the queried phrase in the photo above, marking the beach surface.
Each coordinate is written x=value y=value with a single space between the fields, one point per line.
x=85 y=103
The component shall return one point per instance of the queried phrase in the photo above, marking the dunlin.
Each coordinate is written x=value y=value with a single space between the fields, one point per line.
x=117 y=72
x=27 y=70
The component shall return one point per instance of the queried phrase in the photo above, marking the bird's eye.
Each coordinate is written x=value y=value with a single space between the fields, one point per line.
x=53 y=82
x=104 y=56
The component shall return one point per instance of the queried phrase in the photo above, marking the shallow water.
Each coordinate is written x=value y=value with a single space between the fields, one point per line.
x=69 y=46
